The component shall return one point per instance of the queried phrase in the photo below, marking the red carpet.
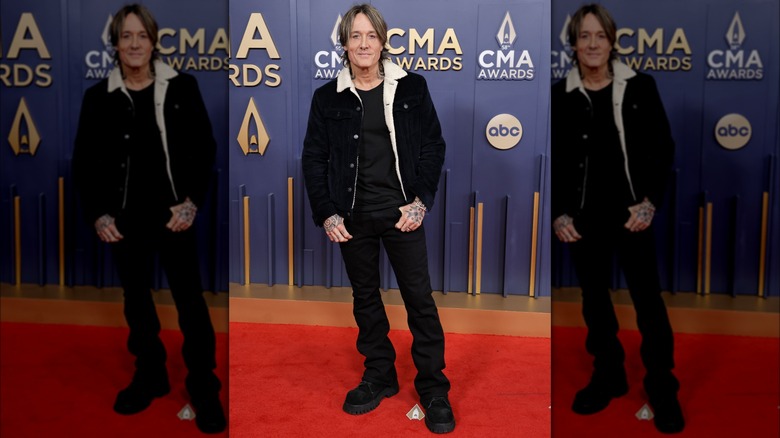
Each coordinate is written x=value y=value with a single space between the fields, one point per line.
x=61 y=381
x=729 y=387
x=290 y=381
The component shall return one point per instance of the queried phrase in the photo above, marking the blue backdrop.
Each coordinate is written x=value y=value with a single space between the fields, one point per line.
x=709 y=59
x=51 y=53
x=283 y=51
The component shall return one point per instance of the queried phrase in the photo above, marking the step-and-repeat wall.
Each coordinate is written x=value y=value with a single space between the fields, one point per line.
x=716 y=66
x=51 y=52
x=488 y=70
x=489 y=73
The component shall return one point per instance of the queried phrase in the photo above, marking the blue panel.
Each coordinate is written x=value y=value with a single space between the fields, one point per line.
x=445 y=48
x=694 y=53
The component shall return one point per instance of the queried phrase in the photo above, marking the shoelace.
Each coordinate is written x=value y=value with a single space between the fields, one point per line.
x=368 y=386
x=435 y=399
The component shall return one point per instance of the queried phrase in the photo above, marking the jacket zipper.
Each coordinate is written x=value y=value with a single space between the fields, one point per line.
x=357 y=157
x=584 y=184
x=127 y=178
x=585 y=176
x=127 y=163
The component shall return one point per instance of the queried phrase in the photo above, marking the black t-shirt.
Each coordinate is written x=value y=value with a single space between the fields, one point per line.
x=378 y=187
x=606 y=186
x=149 y=189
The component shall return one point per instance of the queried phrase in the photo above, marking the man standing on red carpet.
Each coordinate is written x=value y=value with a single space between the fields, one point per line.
x=372 y=158
x=144 y=150
x=612 y=153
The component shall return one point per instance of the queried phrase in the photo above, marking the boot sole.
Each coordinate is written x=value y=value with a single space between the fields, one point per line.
x=440 y=427
x=595 y=409
x=124 y=410
x=370 y=406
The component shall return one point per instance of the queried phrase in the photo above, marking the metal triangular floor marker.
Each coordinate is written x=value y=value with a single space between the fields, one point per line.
x=186 y=413
x=415 y=413
x=645 y=413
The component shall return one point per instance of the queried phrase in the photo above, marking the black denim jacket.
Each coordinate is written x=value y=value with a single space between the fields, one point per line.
x=330 y=148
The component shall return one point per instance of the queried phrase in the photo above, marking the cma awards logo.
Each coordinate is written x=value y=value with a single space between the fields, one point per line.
x=505 y=64
x=24 y=137
x=99 y=63
x=26 y=69
x=735 y=63
x=252 y=136
x=642 y=48
x=504 y=131
x=328 y=62
x=257 y=38
x=561 y=61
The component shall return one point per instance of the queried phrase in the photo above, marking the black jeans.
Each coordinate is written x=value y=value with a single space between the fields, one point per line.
x=593 y=256
x=408 y=256
x=134 y=257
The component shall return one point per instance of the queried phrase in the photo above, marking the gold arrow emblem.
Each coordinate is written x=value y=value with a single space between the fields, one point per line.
x=24 y=137
x=253 y=143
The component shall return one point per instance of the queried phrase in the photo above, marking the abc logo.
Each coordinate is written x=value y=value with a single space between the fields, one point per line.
x=504 y=131
x=733 y=131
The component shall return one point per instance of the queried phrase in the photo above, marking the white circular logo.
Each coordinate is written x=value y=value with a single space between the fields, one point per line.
x=504 y=131
x=733 y=131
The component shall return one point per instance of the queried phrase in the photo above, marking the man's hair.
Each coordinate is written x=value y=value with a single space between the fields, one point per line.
x=604 y=18
x=147 y=20
x=377 y=22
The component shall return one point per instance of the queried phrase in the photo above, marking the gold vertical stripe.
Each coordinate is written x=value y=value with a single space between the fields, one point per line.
x=61 y=189
x=534 y=237
x=699 y=260
x=469 y=288
x=246 y=240
x=478 y=282
x=708 y=251
x=18 y=240
x=762 y=251
x=290 y=231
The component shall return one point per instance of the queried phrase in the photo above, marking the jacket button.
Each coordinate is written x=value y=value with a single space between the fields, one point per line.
x=351 y=165
x=579 y=189
x=349 y=189
x=584 y=136
x=355 y=136
x=122 y=165
x=581 y=165
x=357 y=108
x=121 y=189
x=127 y=136
x=634 y=106
x=406 y=106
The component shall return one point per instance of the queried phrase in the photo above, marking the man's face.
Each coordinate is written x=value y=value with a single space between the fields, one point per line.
x=135 y=45
x=363 y=45
x=593 y=46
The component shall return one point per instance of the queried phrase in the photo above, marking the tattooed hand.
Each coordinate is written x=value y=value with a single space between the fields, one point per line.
x=335 y=229
x=106 y=229
x=564 y=229
x=183 y=216
x=412 y=216
x=641 y=216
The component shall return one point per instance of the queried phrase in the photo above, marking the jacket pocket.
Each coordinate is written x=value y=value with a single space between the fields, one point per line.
x=338 y=122
x=406 y=117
